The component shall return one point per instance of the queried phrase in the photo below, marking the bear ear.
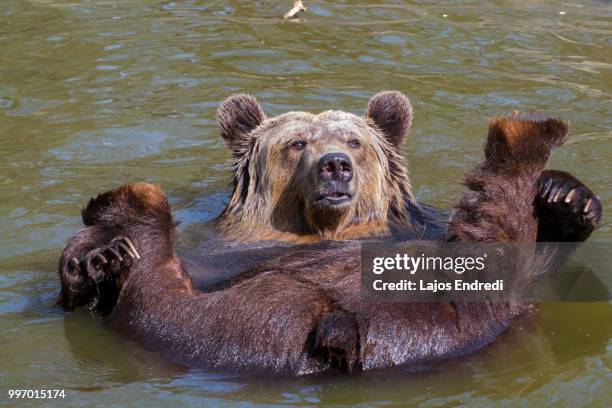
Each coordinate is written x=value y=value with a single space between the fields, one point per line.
x=391 y=111
x=237 y=117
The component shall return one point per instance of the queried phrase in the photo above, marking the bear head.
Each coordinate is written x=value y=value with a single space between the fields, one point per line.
x=304 y=177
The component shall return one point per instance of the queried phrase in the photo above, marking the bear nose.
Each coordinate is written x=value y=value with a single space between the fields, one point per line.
x=335 y=167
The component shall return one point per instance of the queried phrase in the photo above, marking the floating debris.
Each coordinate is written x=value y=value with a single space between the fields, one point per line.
x=298 y=7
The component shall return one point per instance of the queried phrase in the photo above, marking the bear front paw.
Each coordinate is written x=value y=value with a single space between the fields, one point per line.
x=105 y=261
x=564 y=195
x=568 y=210
x=90 y=279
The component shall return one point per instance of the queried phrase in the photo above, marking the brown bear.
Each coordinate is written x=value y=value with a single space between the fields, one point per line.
x=302 y=312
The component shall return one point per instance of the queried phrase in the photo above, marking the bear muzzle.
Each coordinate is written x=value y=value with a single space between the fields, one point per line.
x=335 y=171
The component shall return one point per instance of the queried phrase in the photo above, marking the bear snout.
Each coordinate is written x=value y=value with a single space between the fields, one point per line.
x=335 y=167
x=334 y=171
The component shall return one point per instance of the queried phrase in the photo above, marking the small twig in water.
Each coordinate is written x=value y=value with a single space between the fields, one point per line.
x=298 y=7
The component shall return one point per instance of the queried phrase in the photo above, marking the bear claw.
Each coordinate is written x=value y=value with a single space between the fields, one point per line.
x=105 y=260
x=569 y=198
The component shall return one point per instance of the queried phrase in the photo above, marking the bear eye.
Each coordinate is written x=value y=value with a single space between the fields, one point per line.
x=354 y=143
x=299 y=145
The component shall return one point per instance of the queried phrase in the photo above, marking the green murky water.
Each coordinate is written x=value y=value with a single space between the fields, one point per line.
x=97 y=93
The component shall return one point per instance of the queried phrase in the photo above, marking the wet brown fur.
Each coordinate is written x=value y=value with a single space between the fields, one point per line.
x=507 y=174
x=303 y=313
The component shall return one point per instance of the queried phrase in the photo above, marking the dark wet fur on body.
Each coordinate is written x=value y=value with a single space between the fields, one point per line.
x=301 y=312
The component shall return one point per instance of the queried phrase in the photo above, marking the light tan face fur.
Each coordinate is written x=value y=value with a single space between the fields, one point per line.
x=288 y=150
x=280 y=189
